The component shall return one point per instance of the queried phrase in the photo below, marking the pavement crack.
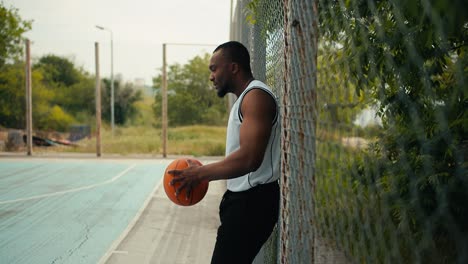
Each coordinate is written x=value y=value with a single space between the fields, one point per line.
x=85 y=239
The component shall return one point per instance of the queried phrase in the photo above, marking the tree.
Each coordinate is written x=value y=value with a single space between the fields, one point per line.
x=58 y=71
x=46 y=114
x=62 y=94
x=411 y=57
x=124 y=101
x=339 y=102
x=73 y=88
x=12 y=92
x=12 y=28
x=190 y=99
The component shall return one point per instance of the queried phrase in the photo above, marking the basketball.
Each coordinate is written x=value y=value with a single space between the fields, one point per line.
x=197 y=193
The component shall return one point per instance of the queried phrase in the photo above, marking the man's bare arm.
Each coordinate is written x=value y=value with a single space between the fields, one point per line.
x=258 y=110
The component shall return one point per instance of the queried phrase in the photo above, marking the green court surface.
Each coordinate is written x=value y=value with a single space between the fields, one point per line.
x=70 y=210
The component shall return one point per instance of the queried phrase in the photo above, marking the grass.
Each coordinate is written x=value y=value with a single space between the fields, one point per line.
x=195 y=140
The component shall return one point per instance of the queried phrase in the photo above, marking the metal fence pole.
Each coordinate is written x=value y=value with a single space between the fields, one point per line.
x=98 y=102
x=28 y=99
x=164 y=104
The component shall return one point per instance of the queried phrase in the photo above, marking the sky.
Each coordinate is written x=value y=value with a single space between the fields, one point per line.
x=139 y=27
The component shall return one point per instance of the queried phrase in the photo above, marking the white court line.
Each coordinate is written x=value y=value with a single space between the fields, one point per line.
x=120 y=252
x=71 y=190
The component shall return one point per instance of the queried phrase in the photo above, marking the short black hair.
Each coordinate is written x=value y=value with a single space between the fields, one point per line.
x=236 y=52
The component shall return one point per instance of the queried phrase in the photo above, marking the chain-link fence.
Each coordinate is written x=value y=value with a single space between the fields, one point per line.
x=373 y=97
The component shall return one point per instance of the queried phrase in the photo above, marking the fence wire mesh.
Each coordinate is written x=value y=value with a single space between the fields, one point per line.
x=373 y=97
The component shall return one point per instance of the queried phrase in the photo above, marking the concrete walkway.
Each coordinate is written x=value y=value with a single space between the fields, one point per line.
x=166 y=233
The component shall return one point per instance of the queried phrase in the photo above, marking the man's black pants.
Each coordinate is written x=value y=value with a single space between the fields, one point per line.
x=247 y=220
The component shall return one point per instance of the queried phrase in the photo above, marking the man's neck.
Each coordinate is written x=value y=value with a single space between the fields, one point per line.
x=244 y=84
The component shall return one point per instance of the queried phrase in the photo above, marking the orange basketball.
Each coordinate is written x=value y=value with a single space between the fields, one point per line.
x=198 y=192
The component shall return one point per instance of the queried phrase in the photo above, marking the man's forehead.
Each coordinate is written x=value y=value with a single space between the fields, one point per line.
x=216 y=57
x=217 y=54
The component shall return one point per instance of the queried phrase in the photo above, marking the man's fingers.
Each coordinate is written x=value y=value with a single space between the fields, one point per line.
x=191 y=163
x=176 y=180
x=181 y=187
x=175 y=172
x=188 y=192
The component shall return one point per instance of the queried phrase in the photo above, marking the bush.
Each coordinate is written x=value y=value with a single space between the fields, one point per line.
x=56 y=119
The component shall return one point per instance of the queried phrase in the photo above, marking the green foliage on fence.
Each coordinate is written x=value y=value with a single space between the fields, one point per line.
x=391 y=193
x=411 y=58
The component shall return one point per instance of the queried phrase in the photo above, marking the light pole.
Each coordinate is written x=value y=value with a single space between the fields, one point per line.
x=112 y=75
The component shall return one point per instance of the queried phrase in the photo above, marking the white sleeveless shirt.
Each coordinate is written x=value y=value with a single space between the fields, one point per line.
x=269 y=170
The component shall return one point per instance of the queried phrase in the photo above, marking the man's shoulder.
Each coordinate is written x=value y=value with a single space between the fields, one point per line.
x=258 y=84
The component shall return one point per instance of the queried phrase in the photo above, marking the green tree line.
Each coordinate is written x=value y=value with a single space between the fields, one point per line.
x=191 y=98
x=62 y=95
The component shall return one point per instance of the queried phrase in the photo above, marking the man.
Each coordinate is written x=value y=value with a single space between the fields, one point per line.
x=249 y=208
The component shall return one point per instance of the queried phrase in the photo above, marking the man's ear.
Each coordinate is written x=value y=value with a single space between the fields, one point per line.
x=234 y=68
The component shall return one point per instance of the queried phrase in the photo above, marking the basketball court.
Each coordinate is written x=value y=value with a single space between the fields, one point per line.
x=88 y=210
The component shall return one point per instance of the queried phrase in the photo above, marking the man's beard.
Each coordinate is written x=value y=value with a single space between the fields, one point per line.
x=222 y=91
